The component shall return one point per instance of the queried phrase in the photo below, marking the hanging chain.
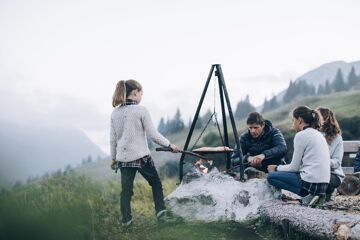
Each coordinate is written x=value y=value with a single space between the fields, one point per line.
x=214 y=94
x=197 y=140
x=213 y=116
x=218 y=127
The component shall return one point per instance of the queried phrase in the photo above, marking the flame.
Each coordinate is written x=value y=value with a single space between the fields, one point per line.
x=200 y=166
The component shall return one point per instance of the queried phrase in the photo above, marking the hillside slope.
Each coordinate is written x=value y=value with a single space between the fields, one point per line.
x=28 y=150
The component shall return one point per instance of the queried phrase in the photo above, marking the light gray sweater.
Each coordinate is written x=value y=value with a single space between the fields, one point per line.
x=336 y=149
x=311 y=157
x=129 y=127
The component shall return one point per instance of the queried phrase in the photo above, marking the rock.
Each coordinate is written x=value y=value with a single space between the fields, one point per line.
x=350 y=185
x=218 y=197
x=355 y=232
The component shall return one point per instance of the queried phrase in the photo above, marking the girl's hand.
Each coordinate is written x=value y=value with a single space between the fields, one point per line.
x=174 y=148
x=113 y=164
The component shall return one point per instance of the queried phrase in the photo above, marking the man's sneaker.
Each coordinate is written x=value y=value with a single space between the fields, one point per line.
x=127 y=224
x=309 y=200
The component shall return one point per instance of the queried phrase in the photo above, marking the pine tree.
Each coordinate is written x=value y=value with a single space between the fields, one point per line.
x=273 y=103
x=339 y=83
x=290 y=92
x=243 y=108
x=352 y=79
x=176 y=124
x=327 y=88
x=320 y=90
x=312 y=90
x=162 y=126
x=265 y=105
x=270 y=105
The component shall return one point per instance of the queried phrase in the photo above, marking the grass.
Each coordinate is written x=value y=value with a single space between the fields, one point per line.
x=69 y=206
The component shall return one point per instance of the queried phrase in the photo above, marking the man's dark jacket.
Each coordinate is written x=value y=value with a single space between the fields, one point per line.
x=271 y=143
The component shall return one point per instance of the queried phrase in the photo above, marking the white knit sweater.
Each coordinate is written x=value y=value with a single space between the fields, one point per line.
x=129 y=127
x=336 y=149
x=311 y=157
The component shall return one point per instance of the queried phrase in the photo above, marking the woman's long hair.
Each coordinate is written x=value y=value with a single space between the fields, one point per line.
x=311 y=117
x=330 y=125
x=123 y=90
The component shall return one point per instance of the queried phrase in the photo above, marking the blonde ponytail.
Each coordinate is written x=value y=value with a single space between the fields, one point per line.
x=122 y=90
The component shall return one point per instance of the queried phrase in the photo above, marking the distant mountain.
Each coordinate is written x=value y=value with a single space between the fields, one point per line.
x=328 y=71
x=30 y=150
x=325 y=72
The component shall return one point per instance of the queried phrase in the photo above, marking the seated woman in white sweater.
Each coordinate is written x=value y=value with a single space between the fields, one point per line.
x=308 y=174
x=332 y=132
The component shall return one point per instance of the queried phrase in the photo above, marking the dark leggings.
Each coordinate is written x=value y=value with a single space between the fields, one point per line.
x=127 y=181
x=334 y=183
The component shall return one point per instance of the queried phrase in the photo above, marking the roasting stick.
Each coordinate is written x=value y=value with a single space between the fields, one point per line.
x=168 y=149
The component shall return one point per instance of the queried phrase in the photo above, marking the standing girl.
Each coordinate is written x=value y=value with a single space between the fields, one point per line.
x=308 y=174
x=332 y=132
x=130 y=125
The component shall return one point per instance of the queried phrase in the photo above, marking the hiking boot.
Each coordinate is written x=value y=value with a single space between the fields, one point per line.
x=309 y=200
x=321 y=201
x=165 y=216
x=126 y=225
x=161 y=215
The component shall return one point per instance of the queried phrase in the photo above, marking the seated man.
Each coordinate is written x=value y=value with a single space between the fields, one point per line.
x=262 y=144
x=357 y=162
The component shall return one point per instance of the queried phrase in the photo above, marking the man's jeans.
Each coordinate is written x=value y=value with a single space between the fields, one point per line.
x=127 y=182
x=290 y=181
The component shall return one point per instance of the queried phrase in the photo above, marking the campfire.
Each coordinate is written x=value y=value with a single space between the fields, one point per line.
x=202 y=166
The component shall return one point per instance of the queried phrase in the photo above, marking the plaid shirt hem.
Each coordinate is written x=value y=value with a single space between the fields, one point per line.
x=314 y=188
x=138 y=163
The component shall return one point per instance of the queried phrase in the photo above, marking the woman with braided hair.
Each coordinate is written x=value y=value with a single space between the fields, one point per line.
x=308 y=174
x=332 y=132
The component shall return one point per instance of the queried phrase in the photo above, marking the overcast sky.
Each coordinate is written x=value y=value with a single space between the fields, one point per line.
x=78 y=50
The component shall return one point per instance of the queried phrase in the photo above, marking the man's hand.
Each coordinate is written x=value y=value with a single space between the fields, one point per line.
x=255 y=161
x=271 y=168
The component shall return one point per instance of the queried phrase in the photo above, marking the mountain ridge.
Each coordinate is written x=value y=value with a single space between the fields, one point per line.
x=31 y=150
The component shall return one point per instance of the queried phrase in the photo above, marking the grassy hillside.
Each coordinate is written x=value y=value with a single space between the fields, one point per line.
x=68 y=206
x=344 y=104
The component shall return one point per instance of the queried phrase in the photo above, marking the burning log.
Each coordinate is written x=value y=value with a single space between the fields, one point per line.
x=202 y=166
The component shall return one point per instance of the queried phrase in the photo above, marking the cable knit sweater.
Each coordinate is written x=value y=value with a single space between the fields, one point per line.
x=130 y=125
x=336 y=149
x=311 y=157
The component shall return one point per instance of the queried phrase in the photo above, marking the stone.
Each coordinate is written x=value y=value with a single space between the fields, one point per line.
x=218 y=197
